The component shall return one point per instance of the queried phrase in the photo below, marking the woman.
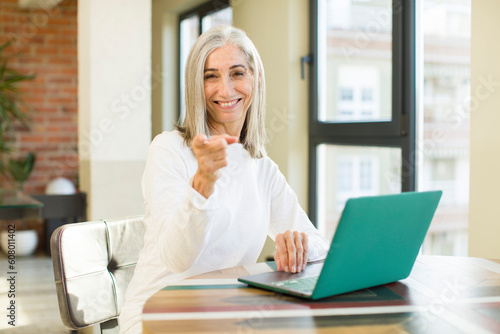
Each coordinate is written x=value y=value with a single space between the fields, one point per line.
x=211 y=194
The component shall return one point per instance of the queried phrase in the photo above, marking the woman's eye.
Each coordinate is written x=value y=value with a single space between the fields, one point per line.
x=239 y=74
x=209 y=76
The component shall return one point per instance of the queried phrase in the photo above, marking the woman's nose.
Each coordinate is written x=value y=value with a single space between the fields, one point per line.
x=226 y=87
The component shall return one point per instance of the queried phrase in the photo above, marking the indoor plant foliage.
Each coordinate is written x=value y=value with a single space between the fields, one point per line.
x=20 y=169
x=13 y=110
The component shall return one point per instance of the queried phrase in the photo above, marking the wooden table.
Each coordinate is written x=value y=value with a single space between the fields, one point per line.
x=442 y=295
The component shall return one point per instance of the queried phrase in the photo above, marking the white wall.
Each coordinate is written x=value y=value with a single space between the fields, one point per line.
x=281 y=34
x=484 y=216
x=280 y=31
x=114 y=130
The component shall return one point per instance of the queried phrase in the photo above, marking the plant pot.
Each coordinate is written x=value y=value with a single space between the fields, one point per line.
x=25 y=242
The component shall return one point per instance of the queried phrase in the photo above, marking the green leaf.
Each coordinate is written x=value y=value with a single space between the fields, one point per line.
x=20 y=169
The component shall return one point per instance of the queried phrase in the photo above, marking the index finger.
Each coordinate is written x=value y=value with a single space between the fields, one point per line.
x=199 y=140
x=229 y=139
x=282 y=252
x=291 y=250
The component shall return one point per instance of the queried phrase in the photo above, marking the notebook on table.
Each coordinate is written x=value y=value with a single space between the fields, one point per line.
x=376 y=242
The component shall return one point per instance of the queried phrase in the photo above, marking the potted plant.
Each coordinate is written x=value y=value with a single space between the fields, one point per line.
x=12 y=107
x=14 y=112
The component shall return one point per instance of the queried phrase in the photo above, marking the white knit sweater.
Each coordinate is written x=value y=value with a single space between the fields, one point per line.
x=187 y=234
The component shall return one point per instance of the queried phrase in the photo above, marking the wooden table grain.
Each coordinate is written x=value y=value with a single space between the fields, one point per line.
x=441 y=295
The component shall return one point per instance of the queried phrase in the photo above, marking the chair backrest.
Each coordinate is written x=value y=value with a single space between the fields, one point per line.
x=93 y=264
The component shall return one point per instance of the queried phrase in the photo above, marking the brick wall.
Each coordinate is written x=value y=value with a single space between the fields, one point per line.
x=47 y=42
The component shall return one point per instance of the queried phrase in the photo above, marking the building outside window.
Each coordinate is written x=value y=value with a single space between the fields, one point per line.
x=444 y=120
x=365 y=86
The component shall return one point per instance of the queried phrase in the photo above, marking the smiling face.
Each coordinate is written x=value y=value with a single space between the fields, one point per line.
x=228 y=89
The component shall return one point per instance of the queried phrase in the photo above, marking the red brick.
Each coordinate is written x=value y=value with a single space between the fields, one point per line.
x=44 y=71
x=60 y=21
x=44 y=90
x=58 y=139
x=51 y=109
x=43 y=50
x=22 y=19
x=52 y=128
x=34 y=99
x=44 y=149
x=61 y=61
x=43 y=168
x=59 y=118
x=28 y=59
x=37 y=118
x=37 y=40
x=36 y=176
x=70 y=129
x=70 y=110
x=15 y=29
x=32 y=139
x=69 y=32
x=39 y=79
x=70 y=90
x=72 y=71
x=68 y=51
x=11 y=8
x=60 y=79
x=57 y=100
x=61 y=41
x=7 y=19
x=48 y=31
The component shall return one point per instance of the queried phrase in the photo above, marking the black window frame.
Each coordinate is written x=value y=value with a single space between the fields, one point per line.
x=400 y=132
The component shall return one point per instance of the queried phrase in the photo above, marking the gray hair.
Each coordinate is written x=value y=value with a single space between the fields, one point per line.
x=252 y=135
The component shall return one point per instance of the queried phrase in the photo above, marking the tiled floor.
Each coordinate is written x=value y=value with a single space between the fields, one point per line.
x=37 y=310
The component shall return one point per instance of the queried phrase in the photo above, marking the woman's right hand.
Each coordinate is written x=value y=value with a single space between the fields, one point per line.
x=211 y=155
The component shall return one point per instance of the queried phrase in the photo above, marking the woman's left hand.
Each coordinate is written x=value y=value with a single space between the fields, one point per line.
x=291 y=251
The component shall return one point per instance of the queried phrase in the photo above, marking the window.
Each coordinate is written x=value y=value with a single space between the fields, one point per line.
x=367 y=95
x=191 y=25
x=444 y=121
x=360 y=111
x=346 y=94
x=387 y=108
x=357 y=100
x=351 y=171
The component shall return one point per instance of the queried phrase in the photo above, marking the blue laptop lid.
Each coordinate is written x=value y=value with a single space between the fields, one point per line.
x=377 y=241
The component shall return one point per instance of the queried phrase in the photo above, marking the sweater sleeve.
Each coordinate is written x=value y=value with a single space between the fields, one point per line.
x=178 y=218
x=287 y=214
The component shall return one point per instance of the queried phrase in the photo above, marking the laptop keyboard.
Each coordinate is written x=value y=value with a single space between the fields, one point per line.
x=305 y=284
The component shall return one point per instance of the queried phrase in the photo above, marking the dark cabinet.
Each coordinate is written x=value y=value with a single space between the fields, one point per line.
x=58 y=210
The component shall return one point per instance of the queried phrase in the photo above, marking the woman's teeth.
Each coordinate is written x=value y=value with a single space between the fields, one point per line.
x=227 y=104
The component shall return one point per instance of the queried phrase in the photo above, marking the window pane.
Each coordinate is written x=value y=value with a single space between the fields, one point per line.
x=355 y=48
x=190 y=31
x=223 y=16
x=443 y=144
x=353 y=171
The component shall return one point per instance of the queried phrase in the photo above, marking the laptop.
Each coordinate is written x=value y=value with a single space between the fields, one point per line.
x=376 y=242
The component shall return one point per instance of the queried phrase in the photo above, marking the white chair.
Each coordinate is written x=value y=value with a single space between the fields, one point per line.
x=93 y=264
